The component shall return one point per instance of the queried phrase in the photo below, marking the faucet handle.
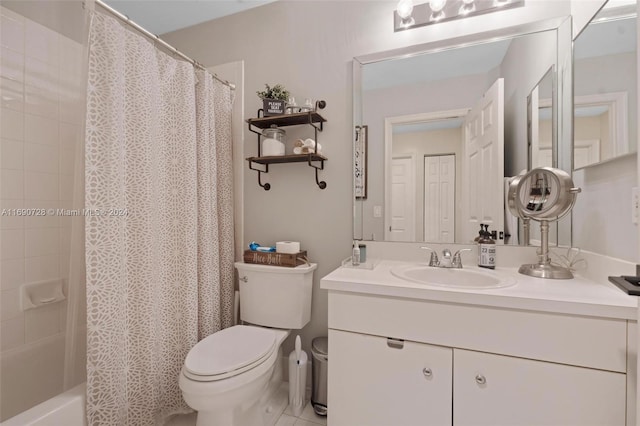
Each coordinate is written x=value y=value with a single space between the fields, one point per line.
x=433 y=260
x=457 y=258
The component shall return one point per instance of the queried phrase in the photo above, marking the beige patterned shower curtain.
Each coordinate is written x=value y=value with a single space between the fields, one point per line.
x=159 y=230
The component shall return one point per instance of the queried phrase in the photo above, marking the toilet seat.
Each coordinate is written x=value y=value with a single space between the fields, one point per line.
x=229 y=352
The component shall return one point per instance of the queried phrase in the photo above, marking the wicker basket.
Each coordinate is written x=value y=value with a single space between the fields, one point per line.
x=276 y=259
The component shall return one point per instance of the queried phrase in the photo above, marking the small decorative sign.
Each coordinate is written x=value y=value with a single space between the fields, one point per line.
x=360 y=162
x=273 y=107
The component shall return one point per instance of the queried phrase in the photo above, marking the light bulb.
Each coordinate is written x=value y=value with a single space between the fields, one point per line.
x=437 y=5
x=405 y=8
x=467 y=6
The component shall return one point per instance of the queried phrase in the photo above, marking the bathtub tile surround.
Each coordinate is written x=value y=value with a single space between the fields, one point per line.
x=35 y=133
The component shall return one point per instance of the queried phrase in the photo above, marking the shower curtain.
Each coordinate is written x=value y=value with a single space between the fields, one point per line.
x=159 y=224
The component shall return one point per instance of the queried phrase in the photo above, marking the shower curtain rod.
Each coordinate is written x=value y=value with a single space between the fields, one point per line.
x=157 y=39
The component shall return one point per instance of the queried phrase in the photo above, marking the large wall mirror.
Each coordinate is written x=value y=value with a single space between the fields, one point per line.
x=605 y=86
x=440 y=126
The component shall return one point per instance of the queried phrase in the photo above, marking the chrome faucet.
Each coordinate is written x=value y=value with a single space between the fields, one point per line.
x=433 y=260
x=447 y=261
x=457 y=258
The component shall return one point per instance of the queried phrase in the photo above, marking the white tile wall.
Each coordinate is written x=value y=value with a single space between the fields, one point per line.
x=12 y=94
x=41 y=268
x=11 y=64
x=12 y=154
x=12 y=333
x=41 y=186
x=41 y=322
x=12 y=31
x=39 y=129
x=42 y=102
x=11 y=222
x=12 y=274
x=12 y=184
x=10 y=304
x=41 y=43
x=12 y=125
x=11 y=244
x=40 y=125
x=40 y=158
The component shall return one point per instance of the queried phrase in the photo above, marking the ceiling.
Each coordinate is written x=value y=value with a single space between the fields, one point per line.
x=164 y=16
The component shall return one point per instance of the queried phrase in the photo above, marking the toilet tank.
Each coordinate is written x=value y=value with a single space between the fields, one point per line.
x=275 y=296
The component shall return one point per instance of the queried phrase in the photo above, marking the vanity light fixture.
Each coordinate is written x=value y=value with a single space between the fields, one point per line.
x=405 y=9
x=407 y=15
x=436 y=9
x=467 y=7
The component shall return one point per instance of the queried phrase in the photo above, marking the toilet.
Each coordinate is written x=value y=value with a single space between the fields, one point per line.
x=229 y=376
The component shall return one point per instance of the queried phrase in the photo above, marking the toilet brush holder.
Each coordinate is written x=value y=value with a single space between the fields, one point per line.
x=298 y=361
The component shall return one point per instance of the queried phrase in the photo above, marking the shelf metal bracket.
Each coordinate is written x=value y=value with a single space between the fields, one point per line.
x=265 y=186
x=321 y=184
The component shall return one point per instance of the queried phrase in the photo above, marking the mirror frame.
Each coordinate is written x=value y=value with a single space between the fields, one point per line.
x=617 y=101
x=562 y=147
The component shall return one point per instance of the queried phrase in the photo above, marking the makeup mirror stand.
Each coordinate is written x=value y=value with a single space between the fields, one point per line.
x=544 y=268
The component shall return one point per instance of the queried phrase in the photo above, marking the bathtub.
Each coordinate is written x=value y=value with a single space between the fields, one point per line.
x=66 y=409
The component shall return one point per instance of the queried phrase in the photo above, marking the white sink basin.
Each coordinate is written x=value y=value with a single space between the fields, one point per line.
x=452 y=277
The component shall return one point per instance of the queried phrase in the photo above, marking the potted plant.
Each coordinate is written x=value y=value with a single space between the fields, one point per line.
x=274 y=99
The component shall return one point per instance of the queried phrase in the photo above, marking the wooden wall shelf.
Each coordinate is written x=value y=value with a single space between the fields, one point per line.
x=312 y=118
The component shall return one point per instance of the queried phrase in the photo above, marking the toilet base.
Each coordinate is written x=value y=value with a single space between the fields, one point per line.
x=263 y=412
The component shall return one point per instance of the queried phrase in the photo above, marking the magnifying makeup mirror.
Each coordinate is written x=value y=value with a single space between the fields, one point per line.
x=545 y=195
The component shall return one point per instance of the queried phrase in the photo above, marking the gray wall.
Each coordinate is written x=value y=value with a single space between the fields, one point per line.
x=309 y=47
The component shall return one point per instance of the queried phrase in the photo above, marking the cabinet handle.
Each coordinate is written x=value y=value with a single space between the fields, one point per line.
x=480 y=379
x=244 y=279
x=427 y=372
x=395 y=343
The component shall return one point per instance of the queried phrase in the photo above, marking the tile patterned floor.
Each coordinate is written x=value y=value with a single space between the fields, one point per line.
x=307 y=418
x=285 y=417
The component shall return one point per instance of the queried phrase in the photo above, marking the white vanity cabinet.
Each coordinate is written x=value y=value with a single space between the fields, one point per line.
x=488 y=365
x=379 y=381
x=500 y=390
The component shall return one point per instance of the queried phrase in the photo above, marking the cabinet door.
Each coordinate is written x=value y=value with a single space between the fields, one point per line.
x=377 y=381
x=500 y=390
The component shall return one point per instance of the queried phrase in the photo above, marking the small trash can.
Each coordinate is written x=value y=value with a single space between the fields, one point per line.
x=320 y=352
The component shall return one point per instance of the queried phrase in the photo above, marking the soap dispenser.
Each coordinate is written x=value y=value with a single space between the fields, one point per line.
x=486 y=249
x=355 y=255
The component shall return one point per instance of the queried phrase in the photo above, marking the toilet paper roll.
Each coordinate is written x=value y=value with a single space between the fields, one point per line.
x=288 y=247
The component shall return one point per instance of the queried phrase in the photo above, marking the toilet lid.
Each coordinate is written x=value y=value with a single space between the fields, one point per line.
x=229 y=350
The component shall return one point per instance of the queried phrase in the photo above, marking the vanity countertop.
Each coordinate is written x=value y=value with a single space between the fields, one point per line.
x=578 y=296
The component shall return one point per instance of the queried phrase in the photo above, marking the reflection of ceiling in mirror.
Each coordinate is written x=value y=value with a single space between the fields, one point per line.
x=579 y=111
x=453 y=123
x=607 y=38
x=590 y=111
x=471 y=60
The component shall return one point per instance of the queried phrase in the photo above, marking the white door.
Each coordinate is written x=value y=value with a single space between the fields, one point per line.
x=376 y=381
x=586 y=152
x=500 y=390
x=403 y=200
x=533 y=109
x=439 y=198
x=483 y=165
